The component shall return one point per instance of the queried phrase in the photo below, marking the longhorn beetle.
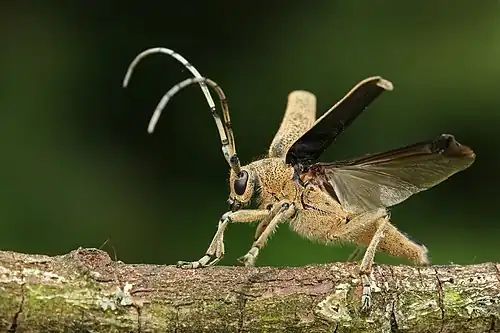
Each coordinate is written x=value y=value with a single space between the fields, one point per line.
x=330 y=202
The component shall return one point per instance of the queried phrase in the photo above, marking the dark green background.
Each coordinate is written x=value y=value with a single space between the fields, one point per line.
x=79 y=169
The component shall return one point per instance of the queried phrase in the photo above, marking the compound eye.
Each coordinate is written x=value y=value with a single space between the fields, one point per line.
x=240 y=183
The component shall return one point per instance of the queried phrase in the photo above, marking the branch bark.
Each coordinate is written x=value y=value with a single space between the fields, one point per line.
x=85 y=291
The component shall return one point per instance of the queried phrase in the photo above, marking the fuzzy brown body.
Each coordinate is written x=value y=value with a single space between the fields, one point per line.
x=319 y=216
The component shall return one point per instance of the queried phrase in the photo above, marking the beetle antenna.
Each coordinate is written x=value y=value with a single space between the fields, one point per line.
x=223 y=125
x=177 y=57
x=224 y=128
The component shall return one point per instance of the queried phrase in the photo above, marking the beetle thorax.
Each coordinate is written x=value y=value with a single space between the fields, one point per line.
x=275 y=178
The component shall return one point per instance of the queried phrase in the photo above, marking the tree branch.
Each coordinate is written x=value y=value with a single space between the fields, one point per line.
x=85 y=291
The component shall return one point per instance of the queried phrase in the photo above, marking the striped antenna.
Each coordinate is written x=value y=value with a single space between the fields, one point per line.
x=176 y=56
x=228 y=144
x=224 y=127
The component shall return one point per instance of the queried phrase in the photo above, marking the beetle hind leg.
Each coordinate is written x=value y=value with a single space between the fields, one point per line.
x=399 y=244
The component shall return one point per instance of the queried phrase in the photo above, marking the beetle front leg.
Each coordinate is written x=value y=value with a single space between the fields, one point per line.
x=215 y=250
x=280 y=212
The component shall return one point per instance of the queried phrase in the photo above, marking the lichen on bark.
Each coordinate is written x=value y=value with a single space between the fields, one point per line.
x=85 y=291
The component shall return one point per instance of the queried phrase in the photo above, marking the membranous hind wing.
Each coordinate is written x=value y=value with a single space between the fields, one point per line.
x=386 y=179
x=308 y=147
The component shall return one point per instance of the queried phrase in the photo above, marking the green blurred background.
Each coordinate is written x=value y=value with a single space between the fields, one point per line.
x=79 y=169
